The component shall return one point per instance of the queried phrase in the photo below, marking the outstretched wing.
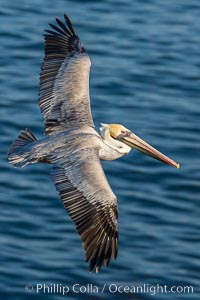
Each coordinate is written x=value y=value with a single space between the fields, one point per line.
x=91 y=204
x=64 y=80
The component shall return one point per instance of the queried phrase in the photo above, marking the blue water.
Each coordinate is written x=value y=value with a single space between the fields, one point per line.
x=146 y=75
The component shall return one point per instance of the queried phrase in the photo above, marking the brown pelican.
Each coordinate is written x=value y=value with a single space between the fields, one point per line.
x=74 y=147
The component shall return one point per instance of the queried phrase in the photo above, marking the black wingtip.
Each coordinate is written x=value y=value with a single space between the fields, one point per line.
x=63 y=26
x=54 y=27
x=69 y=24
x=61 y=29
x=52 y=33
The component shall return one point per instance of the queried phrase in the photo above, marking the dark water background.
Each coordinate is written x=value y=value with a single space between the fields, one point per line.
x=146 y=75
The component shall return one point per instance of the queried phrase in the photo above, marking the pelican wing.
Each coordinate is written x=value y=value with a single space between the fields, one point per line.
x=90 y=202
x=64 y=80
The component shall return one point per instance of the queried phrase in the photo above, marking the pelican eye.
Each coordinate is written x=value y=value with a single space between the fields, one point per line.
x=126 y=132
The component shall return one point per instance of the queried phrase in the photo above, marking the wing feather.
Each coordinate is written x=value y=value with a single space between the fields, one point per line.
x=91 y=204
x=64 y=80
x=67 y=20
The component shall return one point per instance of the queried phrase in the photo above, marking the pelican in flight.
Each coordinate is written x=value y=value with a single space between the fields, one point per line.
x=73 y=146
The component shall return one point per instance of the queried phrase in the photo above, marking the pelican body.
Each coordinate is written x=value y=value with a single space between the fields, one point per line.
x=74 y=147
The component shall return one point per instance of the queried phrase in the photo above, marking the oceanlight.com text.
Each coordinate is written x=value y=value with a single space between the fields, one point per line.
x=112 y=288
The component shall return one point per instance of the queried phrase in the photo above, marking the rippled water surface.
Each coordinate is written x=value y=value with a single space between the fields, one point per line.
x=145 y=74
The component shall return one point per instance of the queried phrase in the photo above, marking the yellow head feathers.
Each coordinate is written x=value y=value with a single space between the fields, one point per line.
x=116 y=129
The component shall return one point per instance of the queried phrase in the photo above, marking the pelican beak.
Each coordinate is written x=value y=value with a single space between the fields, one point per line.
x=135 y=142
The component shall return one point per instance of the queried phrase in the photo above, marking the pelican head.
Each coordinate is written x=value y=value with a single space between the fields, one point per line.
x=122 y=139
